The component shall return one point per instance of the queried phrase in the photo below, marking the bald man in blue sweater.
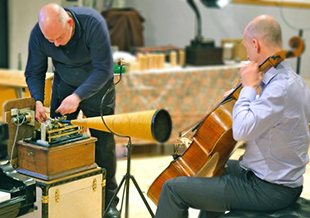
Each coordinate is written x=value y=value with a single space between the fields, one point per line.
x=77 y=40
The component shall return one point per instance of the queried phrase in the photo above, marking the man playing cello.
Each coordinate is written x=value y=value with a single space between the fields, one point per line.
x=269 y=175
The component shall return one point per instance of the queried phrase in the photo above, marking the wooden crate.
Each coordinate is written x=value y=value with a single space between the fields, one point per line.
x=49 y=163
x=76 y=196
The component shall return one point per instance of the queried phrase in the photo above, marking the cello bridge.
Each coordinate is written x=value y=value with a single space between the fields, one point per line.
x=181 y=145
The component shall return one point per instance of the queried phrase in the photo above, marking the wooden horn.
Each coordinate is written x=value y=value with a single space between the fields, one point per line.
x=153 y=125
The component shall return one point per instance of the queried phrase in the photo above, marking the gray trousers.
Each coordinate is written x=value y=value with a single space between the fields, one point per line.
x=236 y=189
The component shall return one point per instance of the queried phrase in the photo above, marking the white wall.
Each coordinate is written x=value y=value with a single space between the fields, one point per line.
x=169 y=22
x=23 y=15
x=173 y=22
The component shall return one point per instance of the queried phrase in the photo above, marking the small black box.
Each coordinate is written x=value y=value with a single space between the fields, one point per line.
x=204 y=56
x=4 y=136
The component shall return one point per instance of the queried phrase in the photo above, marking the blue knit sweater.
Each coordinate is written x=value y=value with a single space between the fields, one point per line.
x=84 y=63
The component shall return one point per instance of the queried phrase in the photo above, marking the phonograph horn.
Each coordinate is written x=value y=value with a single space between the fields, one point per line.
x=150 y=125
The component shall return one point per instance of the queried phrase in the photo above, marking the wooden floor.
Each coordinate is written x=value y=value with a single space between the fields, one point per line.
x=146 y=167
x=147 y=162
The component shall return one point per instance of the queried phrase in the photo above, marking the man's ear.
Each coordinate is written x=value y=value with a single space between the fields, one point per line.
x=70 y=21
x=256 y=45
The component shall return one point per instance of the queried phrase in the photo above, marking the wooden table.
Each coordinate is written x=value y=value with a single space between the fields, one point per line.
x=13 y=85
x=188 y=94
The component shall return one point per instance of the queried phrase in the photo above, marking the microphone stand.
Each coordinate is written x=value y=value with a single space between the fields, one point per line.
x=127 y=177
x=299 y=58
x=125 y=181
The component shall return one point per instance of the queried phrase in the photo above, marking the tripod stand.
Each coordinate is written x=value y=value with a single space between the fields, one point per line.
x=125 y=181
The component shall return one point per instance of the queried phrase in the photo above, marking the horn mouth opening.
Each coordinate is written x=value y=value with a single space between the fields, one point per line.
x=161 y=125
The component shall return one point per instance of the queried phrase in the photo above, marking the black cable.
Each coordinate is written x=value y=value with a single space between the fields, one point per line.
x=102 y=101
x=18 y=124
x=290 y=25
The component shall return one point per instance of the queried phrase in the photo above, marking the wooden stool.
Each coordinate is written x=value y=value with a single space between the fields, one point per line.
x=299 y=209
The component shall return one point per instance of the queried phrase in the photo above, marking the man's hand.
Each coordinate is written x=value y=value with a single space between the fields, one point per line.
x=251 y=76
x=40 y=113
x=69 y=104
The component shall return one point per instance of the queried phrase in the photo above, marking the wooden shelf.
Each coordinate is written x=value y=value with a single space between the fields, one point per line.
x=278 y=3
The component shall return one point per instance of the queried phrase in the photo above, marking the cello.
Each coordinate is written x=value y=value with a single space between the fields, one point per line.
x=212 y=143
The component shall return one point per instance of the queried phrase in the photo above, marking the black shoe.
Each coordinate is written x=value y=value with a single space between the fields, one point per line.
x=113 y=212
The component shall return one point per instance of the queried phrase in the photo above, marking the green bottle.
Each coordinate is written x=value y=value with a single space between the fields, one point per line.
x=118 y=68
x=19 y=67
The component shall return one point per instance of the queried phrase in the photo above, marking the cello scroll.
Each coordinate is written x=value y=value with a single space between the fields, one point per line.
x=295 y=43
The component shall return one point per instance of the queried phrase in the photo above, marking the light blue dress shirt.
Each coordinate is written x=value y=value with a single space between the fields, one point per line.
x=275 y=127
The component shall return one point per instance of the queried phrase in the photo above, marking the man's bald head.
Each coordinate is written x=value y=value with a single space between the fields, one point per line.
x=52 y=15
x=266 y=29
x=55 y=23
